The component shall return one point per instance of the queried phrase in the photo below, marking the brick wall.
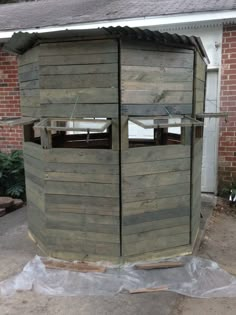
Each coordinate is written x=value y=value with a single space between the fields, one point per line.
x=10 y=138
x=227 y=143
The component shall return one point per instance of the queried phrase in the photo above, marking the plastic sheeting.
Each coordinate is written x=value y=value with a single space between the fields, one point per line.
x=198 y=277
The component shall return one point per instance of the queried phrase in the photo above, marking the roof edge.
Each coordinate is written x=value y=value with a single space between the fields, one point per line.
x=224 y=16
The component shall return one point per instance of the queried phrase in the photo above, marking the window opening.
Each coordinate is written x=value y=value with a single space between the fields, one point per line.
x=163 y=130
x=77 y=133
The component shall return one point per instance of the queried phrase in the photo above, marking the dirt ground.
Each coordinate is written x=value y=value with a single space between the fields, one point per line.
x=219 y=244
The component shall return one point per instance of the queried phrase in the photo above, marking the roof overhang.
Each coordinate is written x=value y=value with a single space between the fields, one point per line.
x=227 y=16
x=21 y=41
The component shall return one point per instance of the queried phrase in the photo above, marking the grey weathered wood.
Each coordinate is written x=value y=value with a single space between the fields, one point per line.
x=152 y=110
x=154 y=235
x=163 y=242
x=115 y=134
x=29 y=68
x=34 y=150
x=65 y=222
x=64 y=110
x=155 y=74
x=82 y=189
x=29 y=75
x=158 y=96
x=29 y=92
x=72 y=237
x=152 y=86
x=200 y=71
x=155 y=225
x=146 y=181
x=155 y=167
x=33 y=84
x=79 y=69
x=30 y=111
x=46 y=138
x=82 y=204
x=156 y=204
x=85 y=59
x=158 y=215
x=82 y=95
x=31 y=56
x=156 y=153
x=154 y=193
x=30 y=101
x=87 y=156
x=82 y=168
x=138 y=57
x=73 y=81
x=82 y=178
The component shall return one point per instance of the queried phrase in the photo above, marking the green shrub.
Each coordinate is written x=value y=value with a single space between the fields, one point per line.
x=12 y=175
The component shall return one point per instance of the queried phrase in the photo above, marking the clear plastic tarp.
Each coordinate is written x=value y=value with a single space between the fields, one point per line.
x=198 y=277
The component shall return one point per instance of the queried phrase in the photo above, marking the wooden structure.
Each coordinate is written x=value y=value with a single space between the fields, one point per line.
x=92 y=192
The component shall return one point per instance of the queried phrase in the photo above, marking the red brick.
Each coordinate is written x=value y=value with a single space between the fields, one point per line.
x=11 y=138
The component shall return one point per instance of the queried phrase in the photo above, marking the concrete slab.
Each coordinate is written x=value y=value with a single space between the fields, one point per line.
x=16 y=249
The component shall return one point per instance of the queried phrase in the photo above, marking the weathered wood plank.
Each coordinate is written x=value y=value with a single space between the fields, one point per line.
x=154 y=216
x=29 y=68
x=136 y=85
x=200 y=70
x=78 y=47
x=135 y=248
x=158 y=96
x=79 y=69
x=82 y=168
x=82 y=189
x=154 y=74
x=155 y=167
x=83 y=95
x=35 y=194
x=156 y=234
x=35 y=176
x=85 y=59
x=93 y=156
x=155 y=58
x=33 y=84
x=30 y=92
x=34 y=150
x=157 y=192
x=30 y=101
x=33 y=162
x=64 y=110
x=156 y=153
x=199 y=96
x=156 y=204
x=73 y=81
x=155 y=225
x=82 y=178
x=151 y=109
x=56 y=236
x=30 y=111
x=31 y=56
x=146 y=181
x=82 y=204
x=29 y=75
x=65 y=222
